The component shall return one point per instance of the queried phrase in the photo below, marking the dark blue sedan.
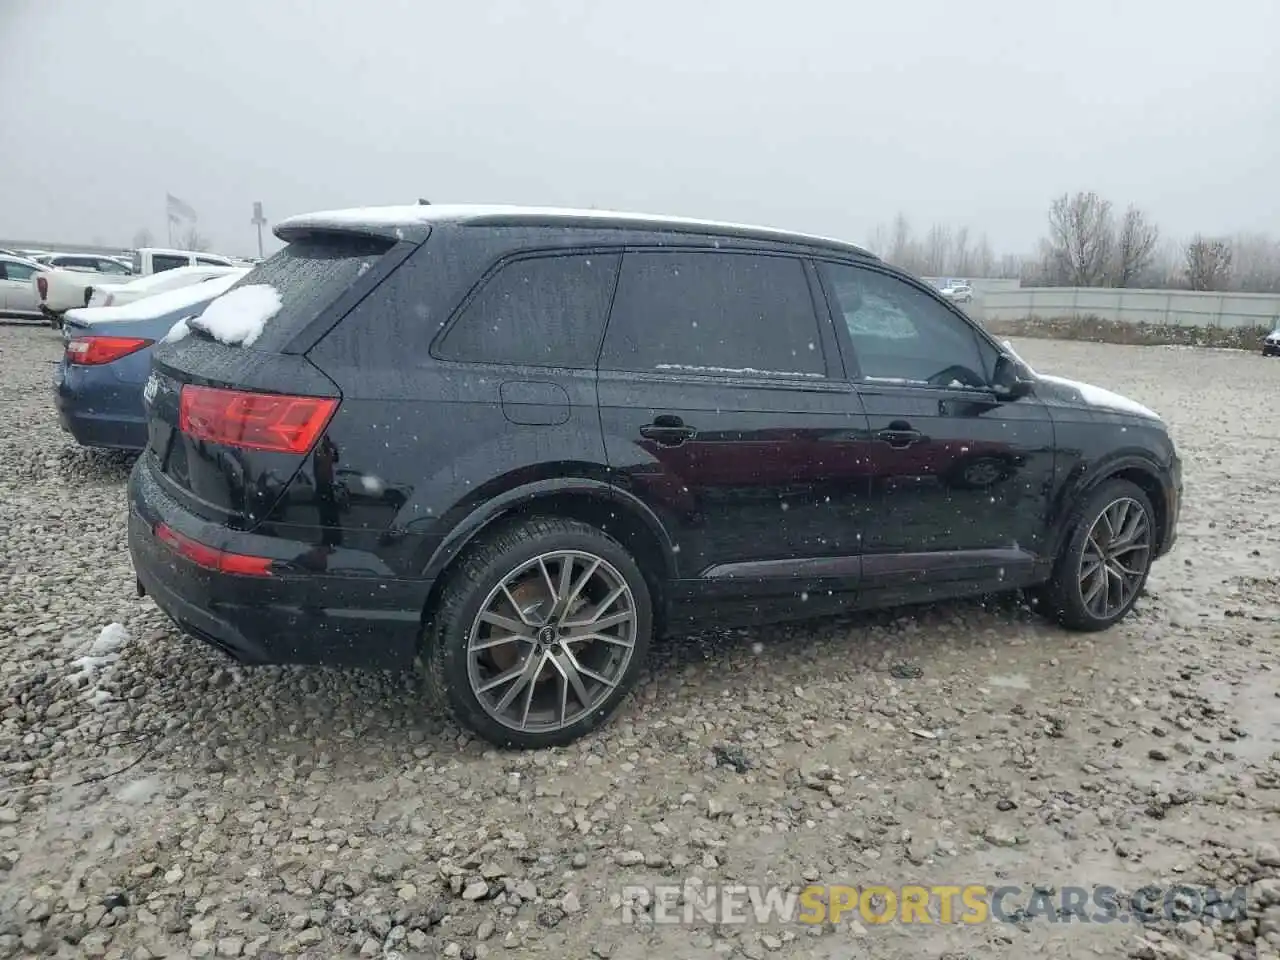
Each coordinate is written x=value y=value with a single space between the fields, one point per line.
x=107 y=358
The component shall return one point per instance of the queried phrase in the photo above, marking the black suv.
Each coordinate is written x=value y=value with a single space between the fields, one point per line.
x=516 y=444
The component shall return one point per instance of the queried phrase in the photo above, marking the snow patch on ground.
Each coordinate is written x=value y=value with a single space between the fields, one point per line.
x=140 y=790
x=239 y=317
x=95 y=663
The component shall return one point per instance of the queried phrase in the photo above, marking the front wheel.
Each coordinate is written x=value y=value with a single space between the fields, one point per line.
x=1105 y=561
x=539 y=634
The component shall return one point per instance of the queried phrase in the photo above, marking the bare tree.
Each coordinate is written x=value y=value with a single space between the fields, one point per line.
x=983 y=260
x=1255 y=263
x=1135 y=246
x=1081 y=237
x=900 y=242
x=941 y=252
x=937 y=250
x=1208 y=263
x=193 y=239
x=1167 y=264
x=143 y=238
x=1010 y=266
x=961 y=256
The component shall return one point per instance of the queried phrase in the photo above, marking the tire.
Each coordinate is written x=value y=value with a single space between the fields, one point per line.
x=1065 y=597
x=507 y=569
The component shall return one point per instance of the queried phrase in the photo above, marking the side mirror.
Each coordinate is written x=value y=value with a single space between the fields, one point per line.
x=1011 y=380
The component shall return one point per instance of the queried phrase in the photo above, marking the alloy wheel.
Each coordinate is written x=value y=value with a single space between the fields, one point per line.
x=552 y=641
x=1115 y=558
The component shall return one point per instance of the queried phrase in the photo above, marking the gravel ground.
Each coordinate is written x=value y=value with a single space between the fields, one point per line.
x=156 y=800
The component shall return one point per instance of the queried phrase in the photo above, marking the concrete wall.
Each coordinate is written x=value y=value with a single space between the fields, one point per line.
x=1165 y=308
x=981 y=285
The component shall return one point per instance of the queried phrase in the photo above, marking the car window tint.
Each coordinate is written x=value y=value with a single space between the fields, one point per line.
x=901 y=334
x=707 y=312
x=541 y=311
x=112 y=266
x=18 y=271
x=161 y=262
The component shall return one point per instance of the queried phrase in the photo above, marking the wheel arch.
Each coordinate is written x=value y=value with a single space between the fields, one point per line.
x=1139 y=470
x=592 y=501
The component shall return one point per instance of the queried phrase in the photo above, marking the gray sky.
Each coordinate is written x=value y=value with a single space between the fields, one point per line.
x=826 y=117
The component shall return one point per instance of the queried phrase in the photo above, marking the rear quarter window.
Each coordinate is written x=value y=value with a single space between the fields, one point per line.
x=546 y=311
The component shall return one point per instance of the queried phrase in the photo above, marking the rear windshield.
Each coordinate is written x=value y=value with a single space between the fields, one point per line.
x=308 y=275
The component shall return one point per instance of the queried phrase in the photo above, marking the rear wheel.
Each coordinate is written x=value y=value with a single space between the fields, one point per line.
x=1105 y=561
x=539 y=633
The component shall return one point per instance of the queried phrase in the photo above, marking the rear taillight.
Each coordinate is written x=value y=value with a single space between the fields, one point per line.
x=257 y=421
x=42 y=287
x=91 y=351
x=88 y=295
x=211 y=558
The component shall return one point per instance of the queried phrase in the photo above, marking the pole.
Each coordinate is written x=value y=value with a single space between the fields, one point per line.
x=258 y=221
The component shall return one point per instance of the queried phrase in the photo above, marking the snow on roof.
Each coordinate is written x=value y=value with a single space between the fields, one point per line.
x=149 y=308
x=240 y=316
x=414 y=214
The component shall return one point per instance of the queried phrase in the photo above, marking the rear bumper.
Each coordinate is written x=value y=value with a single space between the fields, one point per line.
x=289 y=617
x=100 y=410
x=104 y=431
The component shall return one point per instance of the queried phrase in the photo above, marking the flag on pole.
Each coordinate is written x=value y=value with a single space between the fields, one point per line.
x=178 y=210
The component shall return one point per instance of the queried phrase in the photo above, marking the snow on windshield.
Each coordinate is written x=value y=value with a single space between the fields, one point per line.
x=239 y=317
x=150 y=308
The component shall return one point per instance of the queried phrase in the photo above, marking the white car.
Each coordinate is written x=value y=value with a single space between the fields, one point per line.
x=17 y=296
x=149 y=260
x=958 y=292
x=115 y=295
x=63 y=287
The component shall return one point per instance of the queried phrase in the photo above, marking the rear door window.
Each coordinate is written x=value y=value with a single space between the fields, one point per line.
x=546 y=311
x=706 y=312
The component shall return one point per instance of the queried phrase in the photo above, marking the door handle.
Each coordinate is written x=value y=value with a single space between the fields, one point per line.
x=900 y=437
x=668 y=431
